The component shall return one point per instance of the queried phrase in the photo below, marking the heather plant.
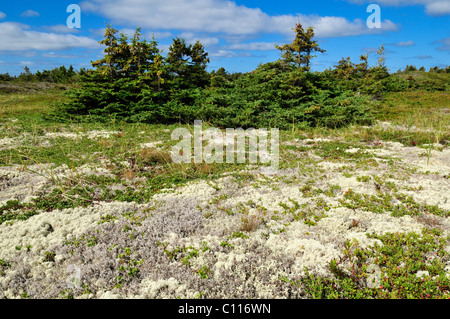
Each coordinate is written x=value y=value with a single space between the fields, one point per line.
x=111 y=260
x=396 y=203
x=3 y=266
x=409 y=265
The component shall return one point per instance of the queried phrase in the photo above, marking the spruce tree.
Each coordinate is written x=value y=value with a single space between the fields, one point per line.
x=108 y=64
x=199 y=62
x=187 y=64
x=299 y=51
x=177 y=61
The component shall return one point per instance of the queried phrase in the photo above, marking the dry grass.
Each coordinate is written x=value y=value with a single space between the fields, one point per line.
x=153 y=155
x=129 y=174
x=250 y=223
x=430 y=221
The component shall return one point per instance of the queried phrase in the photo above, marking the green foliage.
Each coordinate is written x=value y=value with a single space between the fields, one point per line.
x=398 y=204
x=376 y=81
x=129 y=266
x=186 y=65
x=298 y=53
x=359 y=77
x=133 y=82
x=387 y=271
x=4 y=265
x=56 y=75
x=272 y=97
x=49 y=256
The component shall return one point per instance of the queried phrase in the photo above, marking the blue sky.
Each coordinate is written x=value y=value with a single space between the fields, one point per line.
x=237 y=34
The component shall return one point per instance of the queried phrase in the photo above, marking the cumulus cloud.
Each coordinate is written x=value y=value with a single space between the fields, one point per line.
x=130 y=32
x=220 y=16
x=17 y=37
x=432 y=7
x=192 y=38
x=438 y=8
x=30 y=14
x=195 y=15
x=2 y=15
x=326 y=27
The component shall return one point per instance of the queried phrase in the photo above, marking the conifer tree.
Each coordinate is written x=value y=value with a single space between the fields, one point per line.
x=123 y=57
x=108 y=64
x=381 y=71
x=363 y=67
x=199 y=62
x=187 y=64
x=138 y=59
x=143 y=54
x=157 y=70
x=177 y=57
x=299 y=51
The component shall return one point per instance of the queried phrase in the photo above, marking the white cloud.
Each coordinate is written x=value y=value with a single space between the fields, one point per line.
x=328 y=27
x=17 y=37
x=61 y=28
x=432 y=7
x=60 y=56
x=2 y=15
x=164 y=47
x=223 y=54
x=98 y=32
x=220 y=16
x=191 y=38
x=30 y=13
x=228 y=54
x=158 y=35
x=127 y=31
x=146 y=34
x=253 y=46
x=438 y=8
x=194 y=15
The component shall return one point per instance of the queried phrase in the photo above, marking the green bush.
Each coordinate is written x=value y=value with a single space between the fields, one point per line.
x=135 y=83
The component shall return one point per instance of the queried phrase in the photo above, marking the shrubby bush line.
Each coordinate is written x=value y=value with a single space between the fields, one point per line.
x=56 y=75
x=134 y=82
